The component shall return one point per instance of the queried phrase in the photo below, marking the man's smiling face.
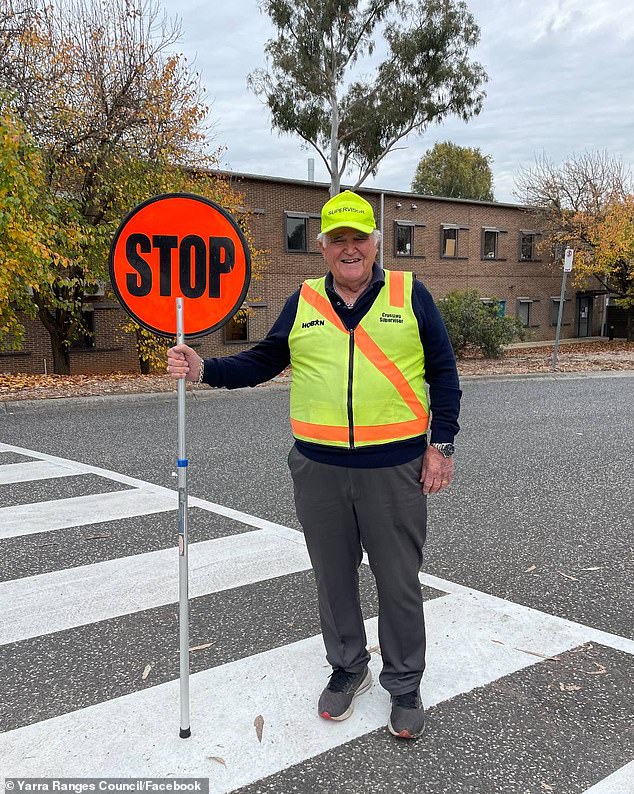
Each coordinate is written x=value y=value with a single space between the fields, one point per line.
x=350 y=255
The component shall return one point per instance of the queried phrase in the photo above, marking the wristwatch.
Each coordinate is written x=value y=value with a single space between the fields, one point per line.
x=446 y=450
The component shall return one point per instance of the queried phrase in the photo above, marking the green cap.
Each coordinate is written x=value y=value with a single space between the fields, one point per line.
x=347 y=209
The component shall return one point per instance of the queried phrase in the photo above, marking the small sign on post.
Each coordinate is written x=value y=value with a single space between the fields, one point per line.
x=180 y=266
x=568 y=257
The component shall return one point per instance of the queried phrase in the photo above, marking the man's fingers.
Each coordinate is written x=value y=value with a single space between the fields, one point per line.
x=434 y=483
x=177 y=364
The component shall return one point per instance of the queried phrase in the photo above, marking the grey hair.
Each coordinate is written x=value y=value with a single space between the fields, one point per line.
x=375 y=234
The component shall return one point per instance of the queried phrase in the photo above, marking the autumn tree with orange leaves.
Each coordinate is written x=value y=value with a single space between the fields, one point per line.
x=116 y=115
x=587 y=203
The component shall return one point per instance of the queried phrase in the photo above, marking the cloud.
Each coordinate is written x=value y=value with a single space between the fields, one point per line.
x=560 y=81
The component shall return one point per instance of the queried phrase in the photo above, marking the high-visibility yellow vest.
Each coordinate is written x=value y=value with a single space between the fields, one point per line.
x=359 y=387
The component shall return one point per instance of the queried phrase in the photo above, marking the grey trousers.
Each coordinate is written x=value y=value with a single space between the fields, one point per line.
x=343 y=511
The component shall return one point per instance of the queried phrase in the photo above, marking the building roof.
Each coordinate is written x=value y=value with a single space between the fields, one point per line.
x=373 y=190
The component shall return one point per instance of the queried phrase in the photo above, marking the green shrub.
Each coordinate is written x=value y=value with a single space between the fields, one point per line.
x=472 y=323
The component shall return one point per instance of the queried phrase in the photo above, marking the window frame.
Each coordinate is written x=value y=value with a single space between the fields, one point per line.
x=496 y=247
x=448 y=227
x=528 y=233
x=554 y=302
x=89 y=333
x=500 y=303
x=304 y=217
x=528 y=302
x=404 y=225
x=228 y=324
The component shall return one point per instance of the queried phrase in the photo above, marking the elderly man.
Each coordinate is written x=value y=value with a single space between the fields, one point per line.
x=361 y=343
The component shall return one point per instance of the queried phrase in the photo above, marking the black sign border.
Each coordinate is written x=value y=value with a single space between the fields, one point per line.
x=228 y=217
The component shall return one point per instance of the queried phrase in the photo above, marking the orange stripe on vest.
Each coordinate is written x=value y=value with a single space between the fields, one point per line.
x=371 y=351
x=397 y=289
x=361 y=432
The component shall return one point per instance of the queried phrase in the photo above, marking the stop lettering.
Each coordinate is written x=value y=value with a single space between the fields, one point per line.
x=180 y=246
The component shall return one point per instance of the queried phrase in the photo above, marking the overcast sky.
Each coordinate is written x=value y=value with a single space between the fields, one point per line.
x=561 y=74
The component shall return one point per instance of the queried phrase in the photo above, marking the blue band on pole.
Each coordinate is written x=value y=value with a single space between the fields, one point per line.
x=181 y=463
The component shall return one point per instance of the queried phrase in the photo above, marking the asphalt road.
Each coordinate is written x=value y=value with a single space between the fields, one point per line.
x=519 y=701
x=544 y=479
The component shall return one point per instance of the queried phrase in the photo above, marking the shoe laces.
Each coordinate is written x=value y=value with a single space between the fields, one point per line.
x=341 y=679
x=409 y=700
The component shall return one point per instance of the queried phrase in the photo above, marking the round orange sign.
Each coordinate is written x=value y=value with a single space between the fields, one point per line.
x=180 y=246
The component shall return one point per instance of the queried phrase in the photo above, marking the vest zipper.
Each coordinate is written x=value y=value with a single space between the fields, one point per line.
x=350 y=370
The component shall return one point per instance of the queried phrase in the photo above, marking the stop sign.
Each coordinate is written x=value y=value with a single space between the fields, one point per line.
x=180 y=245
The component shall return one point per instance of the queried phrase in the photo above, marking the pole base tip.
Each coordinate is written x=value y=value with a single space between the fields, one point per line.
x=185 y=733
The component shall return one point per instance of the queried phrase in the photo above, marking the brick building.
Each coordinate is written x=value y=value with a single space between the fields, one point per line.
x=448 y=243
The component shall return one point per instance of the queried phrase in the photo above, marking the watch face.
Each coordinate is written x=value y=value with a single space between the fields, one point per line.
x=445 y=449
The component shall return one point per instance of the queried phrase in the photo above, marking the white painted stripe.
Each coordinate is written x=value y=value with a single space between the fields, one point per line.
x=615 y=641
x=80 y=510
x=595 y=635
x=55 y=601
x=229 y=512
x=620 y=782
x=33 y=470
x=137 y=735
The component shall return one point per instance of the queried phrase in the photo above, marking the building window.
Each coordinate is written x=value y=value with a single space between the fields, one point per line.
x=449 y=241
x=489 y=244
x=404 y=239
x=296 y=233
x=527 y=246
x=86 y=337
x=554 y=311
x=237 y=329
x=524 y=311
x=499 y=305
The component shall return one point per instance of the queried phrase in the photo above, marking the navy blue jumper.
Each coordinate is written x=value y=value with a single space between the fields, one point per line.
x=271 y=356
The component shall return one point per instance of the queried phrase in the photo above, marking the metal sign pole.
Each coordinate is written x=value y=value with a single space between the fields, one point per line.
x=183 y=602
x=559 y=317
x=567 y=268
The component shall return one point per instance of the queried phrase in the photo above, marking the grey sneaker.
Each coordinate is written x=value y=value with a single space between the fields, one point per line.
x=335 y=702
x=407 y=719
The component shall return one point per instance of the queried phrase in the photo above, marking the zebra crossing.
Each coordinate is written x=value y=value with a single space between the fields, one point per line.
x=89 y=646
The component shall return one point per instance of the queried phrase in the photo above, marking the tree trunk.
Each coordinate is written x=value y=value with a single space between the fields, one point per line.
x=630 y=324
x=61 y=355
x=144 y=364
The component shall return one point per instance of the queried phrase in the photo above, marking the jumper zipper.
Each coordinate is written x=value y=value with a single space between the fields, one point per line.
x=350 y=370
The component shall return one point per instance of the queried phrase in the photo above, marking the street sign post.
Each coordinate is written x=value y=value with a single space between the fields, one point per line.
x=180 y=266
x=568 y=257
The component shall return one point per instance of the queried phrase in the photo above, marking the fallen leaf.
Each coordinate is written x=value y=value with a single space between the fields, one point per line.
x=146 y=672
x=375 y=649
x=258 y=723
x=567 y=576
x=201 y=647
x=532 y=568
x=601 y=669
x=217 y=759
x=569 y=687
x=546 y=787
